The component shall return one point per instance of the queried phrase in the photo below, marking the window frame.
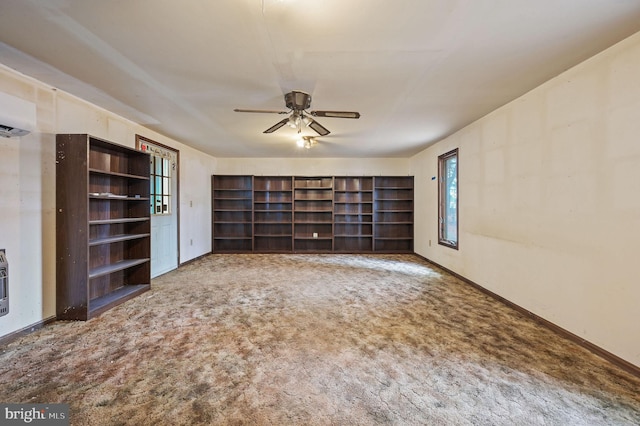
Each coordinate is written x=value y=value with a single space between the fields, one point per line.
x=158 y=150
x=443 y=198
x=160 y=195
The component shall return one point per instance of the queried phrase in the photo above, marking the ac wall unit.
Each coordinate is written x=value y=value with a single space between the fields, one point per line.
x=17 y=116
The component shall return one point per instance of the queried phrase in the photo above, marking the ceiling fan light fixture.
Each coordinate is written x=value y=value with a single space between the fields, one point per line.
x=295 y=122
x=306 y=142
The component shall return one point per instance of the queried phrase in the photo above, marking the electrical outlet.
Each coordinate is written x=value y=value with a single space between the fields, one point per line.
x=191 y=242
x=429 y=243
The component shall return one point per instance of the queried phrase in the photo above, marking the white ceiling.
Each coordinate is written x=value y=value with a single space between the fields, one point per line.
x=417 y=70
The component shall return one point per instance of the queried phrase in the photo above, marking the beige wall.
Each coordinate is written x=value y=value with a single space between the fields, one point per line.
x=314 y=166
x=27 y=193
x=550 y=200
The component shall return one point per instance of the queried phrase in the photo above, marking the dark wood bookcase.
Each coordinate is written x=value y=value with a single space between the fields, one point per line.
x=232 y=213
x=353 y=214
x=313 y=214
x=273 y=214
x=393 y=217
x=300 y=214
x=103 y=239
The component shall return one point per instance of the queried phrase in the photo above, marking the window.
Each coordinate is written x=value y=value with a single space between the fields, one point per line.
x=448 y=199
x=162 y=163
x=160 y=191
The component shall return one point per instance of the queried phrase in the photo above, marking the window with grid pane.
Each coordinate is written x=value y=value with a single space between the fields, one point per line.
x=160 y=190
x=448 y=199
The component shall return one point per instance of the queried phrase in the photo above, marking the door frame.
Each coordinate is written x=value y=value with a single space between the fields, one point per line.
x=139 y=140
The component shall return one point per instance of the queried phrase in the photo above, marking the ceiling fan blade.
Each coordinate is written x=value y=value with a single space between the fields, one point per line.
x=336 y=114
x=267 y=111
x=318 y=128
x=277 y=126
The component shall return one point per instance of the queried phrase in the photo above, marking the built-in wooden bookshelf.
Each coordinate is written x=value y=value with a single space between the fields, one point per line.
x=353 y=214
x=393 y=214
x=273 y=214
x=313 y=214
x=287 y=214
x=232 y=213
x=103 y=240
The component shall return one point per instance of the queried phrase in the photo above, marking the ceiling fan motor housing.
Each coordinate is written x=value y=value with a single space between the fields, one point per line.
x=297 y=101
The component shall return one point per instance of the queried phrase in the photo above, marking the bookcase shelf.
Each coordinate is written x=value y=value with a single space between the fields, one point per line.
x=343 y=214
x=232 y=201
x=393 y=214
x=120 y=220
x=114 y=267
x=112 y=173
x=313 y=214
x=353 y=214
x=116 y=238
x=103 y=238
x=122 y=294
x=273 y=214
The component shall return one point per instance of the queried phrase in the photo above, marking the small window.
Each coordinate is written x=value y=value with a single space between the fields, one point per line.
x=161 y=169
x=163 y=163
x=448 y=199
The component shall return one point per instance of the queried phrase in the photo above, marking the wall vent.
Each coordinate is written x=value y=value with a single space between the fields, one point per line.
x=17 y=116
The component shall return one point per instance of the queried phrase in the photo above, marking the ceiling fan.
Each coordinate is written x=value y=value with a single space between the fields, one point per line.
x=298 y=102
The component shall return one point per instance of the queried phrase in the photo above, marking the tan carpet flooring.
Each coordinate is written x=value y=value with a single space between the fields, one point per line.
x=315 y=340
